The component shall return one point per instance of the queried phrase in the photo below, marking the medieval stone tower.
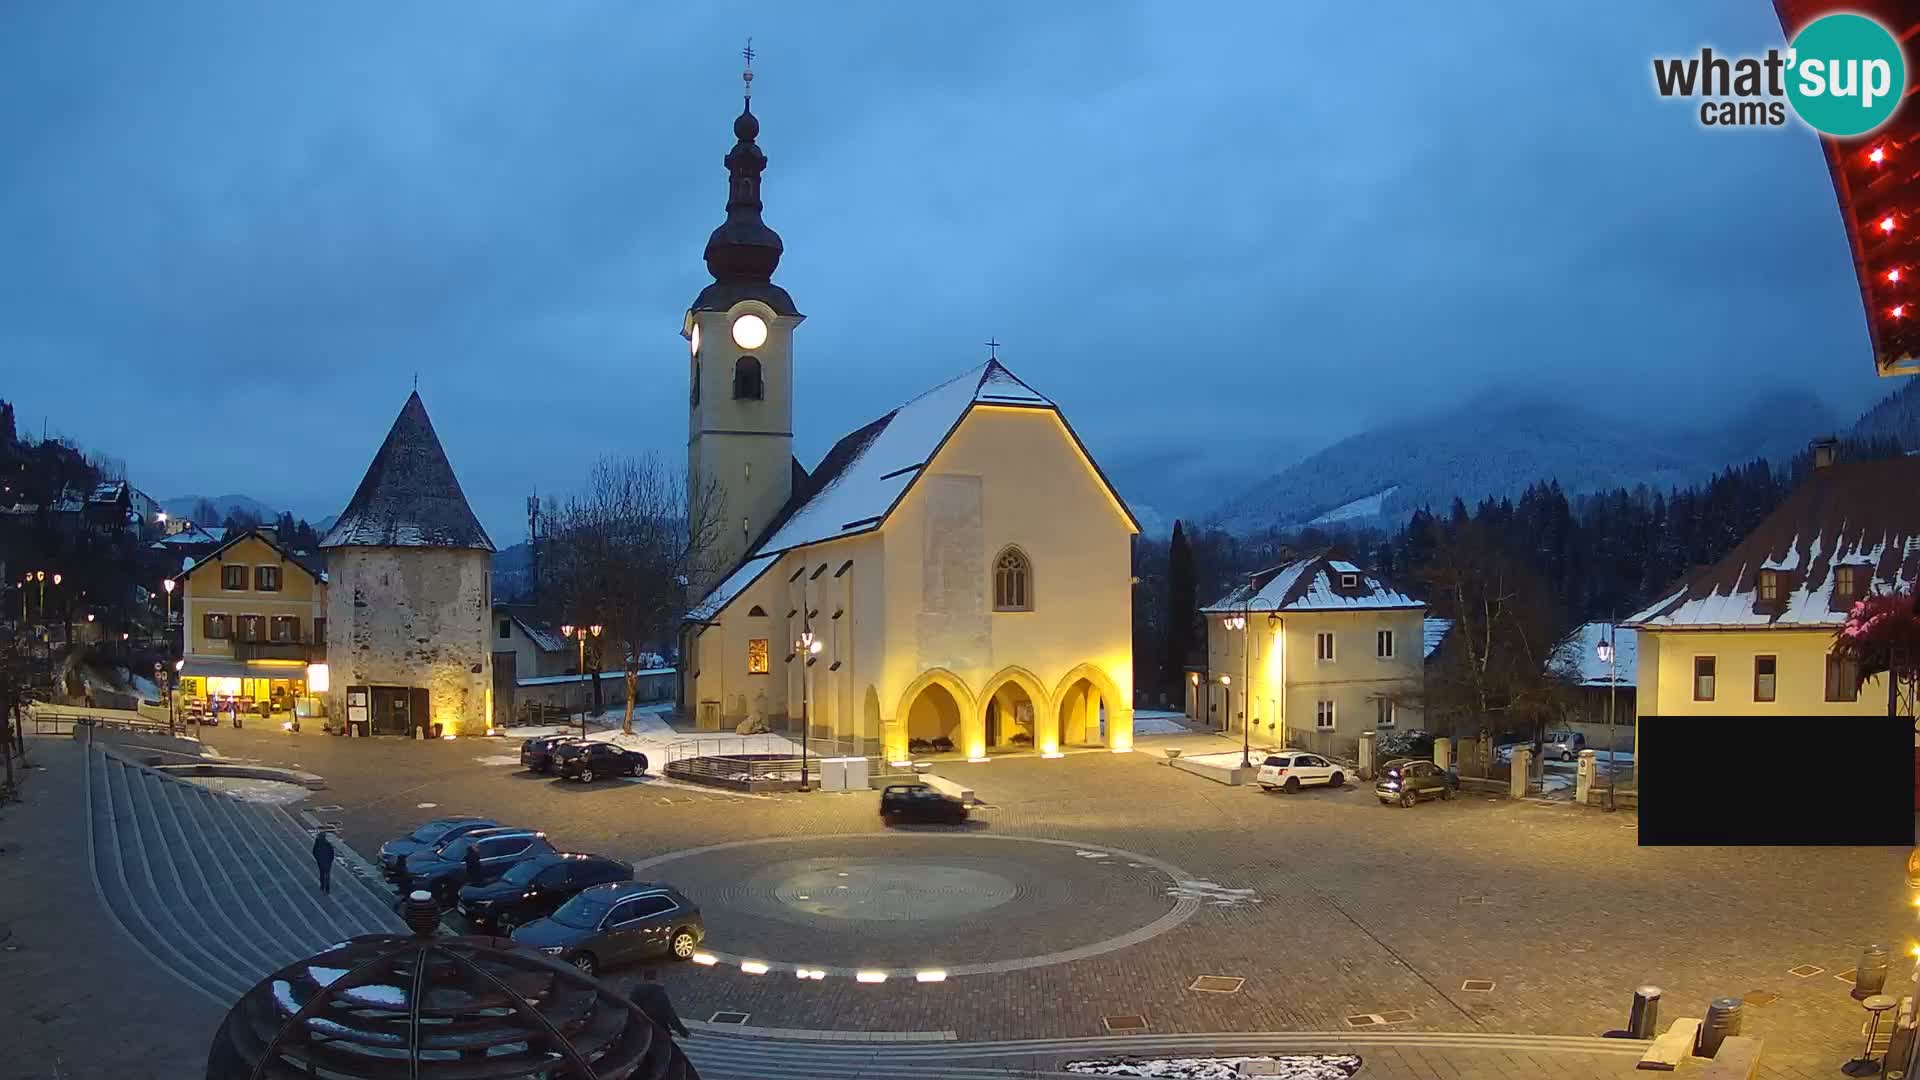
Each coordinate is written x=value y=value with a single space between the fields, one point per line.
x=409 y=595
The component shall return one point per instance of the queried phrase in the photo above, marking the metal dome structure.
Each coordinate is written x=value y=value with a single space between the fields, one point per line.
x=388 y=1007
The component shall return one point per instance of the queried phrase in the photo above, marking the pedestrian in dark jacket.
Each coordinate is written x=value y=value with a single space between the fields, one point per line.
x=473 y=866
x=652 y=999
x=323 y=855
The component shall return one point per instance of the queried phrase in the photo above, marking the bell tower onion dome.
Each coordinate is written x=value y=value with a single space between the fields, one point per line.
x=743 y=252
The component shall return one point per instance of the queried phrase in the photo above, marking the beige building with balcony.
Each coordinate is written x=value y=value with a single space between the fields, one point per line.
x=1311 y=653
x=253 y=616
x=955 y=576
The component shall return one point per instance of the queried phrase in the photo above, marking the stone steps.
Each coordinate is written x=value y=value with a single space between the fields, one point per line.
x=219 y=891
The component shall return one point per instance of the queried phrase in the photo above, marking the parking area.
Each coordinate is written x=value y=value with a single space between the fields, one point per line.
x=1113 y=885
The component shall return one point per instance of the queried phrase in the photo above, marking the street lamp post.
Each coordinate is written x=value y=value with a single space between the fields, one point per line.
x=581 y=633
x=806 y=648
x=1611 y=658
x=1239 y=622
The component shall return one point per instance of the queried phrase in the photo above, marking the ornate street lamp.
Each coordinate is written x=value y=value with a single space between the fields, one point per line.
x=581 y=633
x=1610 y=657
x=807 y=648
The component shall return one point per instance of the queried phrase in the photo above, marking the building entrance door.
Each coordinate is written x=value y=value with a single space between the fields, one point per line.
x=392 y=710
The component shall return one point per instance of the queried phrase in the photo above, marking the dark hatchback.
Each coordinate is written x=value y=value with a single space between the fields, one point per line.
x=590 y=761
x=920 y=802
x=534 y=888
x=443 y=871
x=427 y=837
x=536 y=754
x=1408 y=780
x=609 y=925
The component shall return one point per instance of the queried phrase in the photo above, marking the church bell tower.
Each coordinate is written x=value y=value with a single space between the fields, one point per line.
x=740 y=377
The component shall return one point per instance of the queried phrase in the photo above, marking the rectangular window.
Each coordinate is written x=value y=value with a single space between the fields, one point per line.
x=757 y=656
x=1323 y=645
x=319 y=631
x=1846 y=583
x=286 y=628
x=1383 y=644
x=1349 y=581
x=249 y=627
x=1765 y=677
x=266 y=578
x=1383 y=716
x=215 y=627
x=1323 y=715
x=1769 y=587
x=506 y=629
x=1703 y=678
x=1843 y=680
x=233 y=578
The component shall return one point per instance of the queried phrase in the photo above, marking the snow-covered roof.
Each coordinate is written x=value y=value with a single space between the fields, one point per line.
x=108 y=491
x=1860 y=514
x=544 y=637
x=1434 y=631
x=859 y=482
x=193 y=536
x=1311 y=584
x=409 y=497
x=1578 y=656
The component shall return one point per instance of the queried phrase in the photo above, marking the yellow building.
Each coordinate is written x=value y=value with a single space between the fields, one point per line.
x=1752 y=634
x=956 y=574
x=1312 y=652
x=253 y=617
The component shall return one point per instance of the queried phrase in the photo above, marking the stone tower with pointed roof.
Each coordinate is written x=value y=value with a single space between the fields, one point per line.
x=409 y=574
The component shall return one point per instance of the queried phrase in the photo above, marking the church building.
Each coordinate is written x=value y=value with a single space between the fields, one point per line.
x=955 y=576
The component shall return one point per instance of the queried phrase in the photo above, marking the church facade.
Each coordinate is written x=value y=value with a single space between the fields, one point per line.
x=955 y=576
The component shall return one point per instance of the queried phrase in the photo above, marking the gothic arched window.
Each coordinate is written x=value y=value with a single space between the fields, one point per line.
x=1012 y=581
x=746 y=379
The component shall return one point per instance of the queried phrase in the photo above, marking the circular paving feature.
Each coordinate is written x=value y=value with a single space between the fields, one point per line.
x=902 y=904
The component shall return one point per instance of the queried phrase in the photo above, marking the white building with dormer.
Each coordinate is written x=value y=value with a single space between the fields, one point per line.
x=954 y=576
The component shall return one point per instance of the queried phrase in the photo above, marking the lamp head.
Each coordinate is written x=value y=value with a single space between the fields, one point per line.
x=566 y=629
x=1605 y=651
x=1226 y=680
x=596 y=629
x=167 y=584
x=56 y=579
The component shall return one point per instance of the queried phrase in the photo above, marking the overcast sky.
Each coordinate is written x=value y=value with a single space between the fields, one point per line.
x=231 y=234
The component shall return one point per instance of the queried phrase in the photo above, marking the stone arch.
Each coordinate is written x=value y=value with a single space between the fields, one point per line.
x=1046 y=726
x=870 y=722
x=1077 y=724
x=970 y=732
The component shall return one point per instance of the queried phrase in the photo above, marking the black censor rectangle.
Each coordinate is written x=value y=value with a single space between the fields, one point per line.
x=1776 y=781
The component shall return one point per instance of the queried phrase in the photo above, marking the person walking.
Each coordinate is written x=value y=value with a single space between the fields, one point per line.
x=474 y=868
x=652 y=999
x=323 y=855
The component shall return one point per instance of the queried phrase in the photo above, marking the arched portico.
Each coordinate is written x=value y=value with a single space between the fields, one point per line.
x=1004 y=698
x=942 y=700
x=1084 y=693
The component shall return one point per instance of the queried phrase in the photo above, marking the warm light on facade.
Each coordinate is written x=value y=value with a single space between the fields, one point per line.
x=809 y=973
x=871 y=977
x=319 y=681
x=930 y=976
x=705 y=959
x=1052 y=754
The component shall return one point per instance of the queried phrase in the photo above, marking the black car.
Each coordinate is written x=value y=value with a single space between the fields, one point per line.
x=537 y=753
x=442 y=871
x=920 y=802
x=427 y=837
x=609 y=925
x=533 y=888
x=589 y=761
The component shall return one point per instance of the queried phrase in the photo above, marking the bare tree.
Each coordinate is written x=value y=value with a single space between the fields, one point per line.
x=620 y=553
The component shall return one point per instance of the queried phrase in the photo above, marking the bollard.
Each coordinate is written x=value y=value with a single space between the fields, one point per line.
x=1870 y=974
x=1643 y=1022
x=1723 y=1019
x=422 y=914
x=1366 y=763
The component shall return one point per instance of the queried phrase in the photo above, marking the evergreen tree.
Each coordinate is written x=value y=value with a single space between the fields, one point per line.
x=1183 y=608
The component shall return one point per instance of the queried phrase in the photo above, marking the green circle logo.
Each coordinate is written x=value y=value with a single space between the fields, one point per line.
x=1845 y=74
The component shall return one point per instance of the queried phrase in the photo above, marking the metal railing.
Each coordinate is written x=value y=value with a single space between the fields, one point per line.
x=745 y=772
x=59 y=719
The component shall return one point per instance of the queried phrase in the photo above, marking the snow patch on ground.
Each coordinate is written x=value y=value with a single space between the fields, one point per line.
x=1156 y=722
x=251 y=790
x=1288 y=1067
x=1364 y=506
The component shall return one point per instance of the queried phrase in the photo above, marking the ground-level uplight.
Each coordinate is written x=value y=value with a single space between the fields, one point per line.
x=753 y=967
x=705 y=959
x=871 y=977
x=901 y=764
x=810 y=973
x=1053 y=754
x=981 y=760
x=935 y=975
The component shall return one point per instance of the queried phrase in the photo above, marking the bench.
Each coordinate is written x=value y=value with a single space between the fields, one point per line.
x=949 y=787
x=1737 y=1059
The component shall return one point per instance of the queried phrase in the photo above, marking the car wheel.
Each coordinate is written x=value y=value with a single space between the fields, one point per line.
x=634 y=769
x=1408 y=798
x=1338 y=781
x=683 y=942
x=1293 y=785
x=1566 y=755
x=584 y=961
x=586 y=776
x=1446 y=793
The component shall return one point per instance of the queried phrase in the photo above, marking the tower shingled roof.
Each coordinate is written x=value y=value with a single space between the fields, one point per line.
x=409 y=497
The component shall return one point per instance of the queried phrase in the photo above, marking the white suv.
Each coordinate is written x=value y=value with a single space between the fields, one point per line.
x=1291 y=770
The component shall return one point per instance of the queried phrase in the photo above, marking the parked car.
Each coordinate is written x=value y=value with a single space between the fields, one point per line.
x=589 y=761
x=534 y=888
x=1291 y=770
x=1408 y=780
x=537 y=753
x=920 y=802
x=1565 y=745
x=427 y=837
x=443 y=870
x=608 y=925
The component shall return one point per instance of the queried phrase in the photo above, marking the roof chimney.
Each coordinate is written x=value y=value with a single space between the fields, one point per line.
x=1824 y=449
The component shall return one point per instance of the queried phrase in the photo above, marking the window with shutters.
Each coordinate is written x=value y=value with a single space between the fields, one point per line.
x=1703 y=669
x=233 y=578
x=266 y=578
x=215 y=627
x=1765 y=677
x=286 y=628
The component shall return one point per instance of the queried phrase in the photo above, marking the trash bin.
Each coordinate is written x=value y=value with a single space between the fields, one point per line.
x=1870 y=974
x=1722 y=1020
x=1644 y=1021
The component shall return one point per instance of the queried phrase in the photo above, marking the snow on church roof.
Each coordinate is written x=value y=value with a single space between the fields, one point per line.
x=409 y=497
x=862 y=478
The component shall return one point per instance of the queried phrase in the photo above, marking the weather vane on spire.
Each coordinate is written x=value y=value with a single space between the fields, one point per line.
x=747 y=75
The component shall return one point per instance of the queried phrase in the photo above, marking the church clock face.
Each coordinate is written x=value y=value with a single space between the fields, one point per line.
x=693 y=340
x=749 y=331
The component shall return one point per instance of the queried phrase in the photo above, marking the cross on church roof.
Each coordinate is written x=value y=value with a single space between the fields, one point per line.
x=993 y=349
